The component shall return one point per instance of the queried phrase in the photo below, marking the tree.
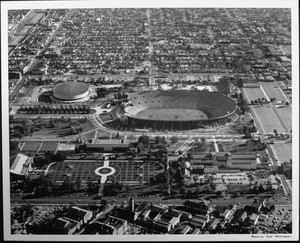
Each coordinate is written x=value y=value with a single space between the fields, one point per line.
x=198 y=188
x=174 y=139
x=48 y=159
x=202 y=146
x=103 y=201
x=31 y=130
x=80 y=128
x=157 y=139
x=59 y=156
x=89 y=184
x=51 y=122
x=189 y=194
x=78 y=184
x=212 y=185
x=182 y=190
x=195 y=178
x=133 y=124
x=13 y=145
x=144 y=139
x=261 y=188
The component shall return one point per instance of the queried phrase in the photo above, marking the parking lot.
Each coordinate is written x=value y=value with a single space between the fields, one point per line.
x=281 y=216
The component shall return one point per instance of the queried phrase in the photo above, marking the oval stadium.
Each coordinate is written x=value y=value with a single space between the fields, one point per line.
x=179 y=109
x=71 y=92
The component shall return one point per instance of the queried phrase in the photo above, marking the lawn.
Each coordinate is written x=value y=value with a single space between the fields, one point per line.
x=84 y=170
x=31 y=146
x=59 y=128
x=253 y=94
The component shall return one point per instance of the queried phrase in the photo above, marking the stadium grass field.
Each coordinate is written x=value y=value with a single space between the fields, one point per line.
x=84 y=170
x=172 y=114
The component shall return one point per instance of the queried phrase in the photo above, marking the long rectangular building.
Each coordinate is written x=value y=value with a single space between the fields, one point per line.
x=225 y=160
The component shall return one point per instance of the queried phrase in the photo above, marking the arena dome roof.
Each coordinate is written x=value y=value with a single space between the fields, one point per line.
x=71 y=91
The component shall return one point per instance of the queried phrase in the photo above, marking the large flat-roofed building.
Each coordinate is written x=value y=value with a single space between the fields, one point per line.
x=224 y=160
x=108 y=145
x=199 y=221
x=20 y=165
x=209 y=159
x=241 y=215
x=199 y=206
x=113 y=226
x=79 y=214
x=66 y=147
x=256 y=207
x=242 y=161
x=65 y=225
x=253 y=219
x=185 y=230
x=131 y=213
x=214 y=224
x=275 y=51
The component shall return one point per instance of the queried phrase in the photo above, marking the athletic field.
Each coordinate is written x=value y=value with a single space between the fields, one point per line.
x=31 y=146
x=283 y=151
x=267 y=119
x=285 y=115
x=273 y=91
x=268 y=116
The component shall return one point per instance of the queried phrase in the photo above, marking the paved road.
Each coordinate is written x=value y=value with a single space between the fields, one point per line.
x=286 y=187
x=65 y=200
x=49 y=39
x=18 y=86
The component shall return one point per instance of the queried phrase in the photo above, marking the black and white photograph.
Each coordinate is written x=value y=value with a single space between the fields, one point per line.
x=150 y=120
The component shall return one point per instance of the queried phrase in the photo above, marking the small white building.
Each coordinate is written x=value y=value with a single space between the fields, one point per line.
x=21 y=165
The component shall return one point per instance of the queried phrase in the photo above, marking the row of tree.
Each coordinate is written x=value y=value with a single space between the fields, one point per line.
x=242 y=104
x=55 y=109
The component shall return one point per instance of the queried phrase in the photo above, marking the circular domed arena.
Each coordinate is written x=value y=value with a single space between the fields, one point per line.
x=178 y=109
x=71 y=92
